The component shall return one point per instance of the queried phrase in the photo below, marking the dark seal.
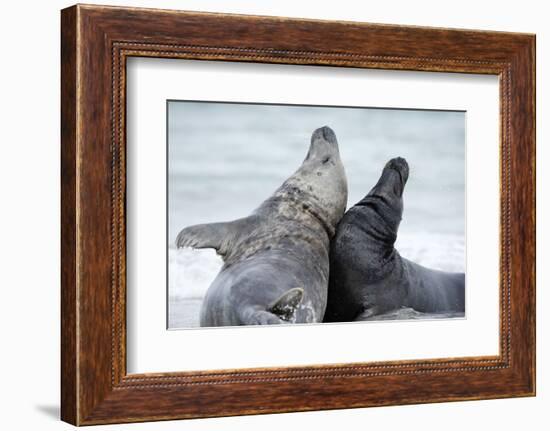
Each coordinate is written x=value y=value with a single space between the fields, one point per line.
x=368 y=276
x=276 y=260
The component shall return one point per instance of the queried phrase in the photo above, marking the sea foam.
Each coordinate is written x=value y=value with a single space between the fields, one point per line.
x=192 y=271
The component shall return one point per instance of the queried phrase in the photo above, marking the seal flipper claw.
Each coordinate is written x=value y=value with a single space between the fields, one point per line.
x=286 y=305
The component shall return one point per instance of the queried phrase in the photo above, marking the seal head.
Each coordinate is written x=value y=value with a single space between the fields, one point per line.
x=320 y=182
x=385 y=200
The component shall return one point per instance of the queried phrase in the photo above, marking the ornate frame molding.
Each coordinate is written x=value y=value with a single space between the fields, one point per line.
x=96 y=41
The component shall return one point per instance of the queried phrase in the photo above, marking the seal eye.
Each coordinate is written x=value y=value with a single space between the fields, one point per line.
x=326 y=160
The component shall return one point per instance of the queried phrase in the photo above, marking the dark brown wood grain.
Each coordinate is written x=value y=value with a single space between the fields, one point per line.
x=95 y=43
x=68 y=217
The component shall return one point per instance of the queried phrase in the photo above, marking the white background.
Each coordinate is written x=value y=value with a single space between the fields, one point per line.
x=151 y=348
x=29 y=228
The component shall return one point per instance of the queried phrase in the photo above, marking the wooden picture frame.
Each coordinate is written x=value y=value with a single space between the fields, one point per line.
x=95 y=43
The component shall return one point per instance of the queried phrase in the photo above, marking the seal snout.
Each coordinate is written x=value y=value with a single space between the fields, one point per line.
x=324 y=133
x=400 y=165
x=323 y=145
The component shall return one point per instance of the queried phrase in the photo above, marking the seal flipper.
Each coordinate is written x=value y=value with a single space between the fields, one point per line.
x=209 y=235
x=282 y=310
x=286 y=305
x=218 y=236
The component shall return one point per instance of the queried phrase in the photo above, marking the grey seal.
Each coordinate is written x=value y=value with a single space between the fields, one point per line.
x=368 y=275
x=276 y=260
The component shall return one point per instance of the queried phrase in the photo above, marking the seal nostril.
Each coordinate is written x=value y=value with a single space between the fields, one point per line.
x=326 y=160
x=328 y=134
x=399 y=164
x=324 y=133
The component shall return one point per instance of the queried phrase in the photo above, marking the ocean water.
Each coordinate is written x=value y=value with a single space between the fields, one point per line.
x=225 y=159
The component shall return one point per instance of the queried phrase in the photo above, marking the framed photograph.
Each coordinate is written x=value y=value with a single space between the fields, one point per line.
x=264 y=214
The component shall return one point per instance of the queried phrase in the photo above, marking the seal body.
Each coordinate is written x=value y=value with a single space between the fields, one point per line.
x=368 y=275
x=276 y=260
